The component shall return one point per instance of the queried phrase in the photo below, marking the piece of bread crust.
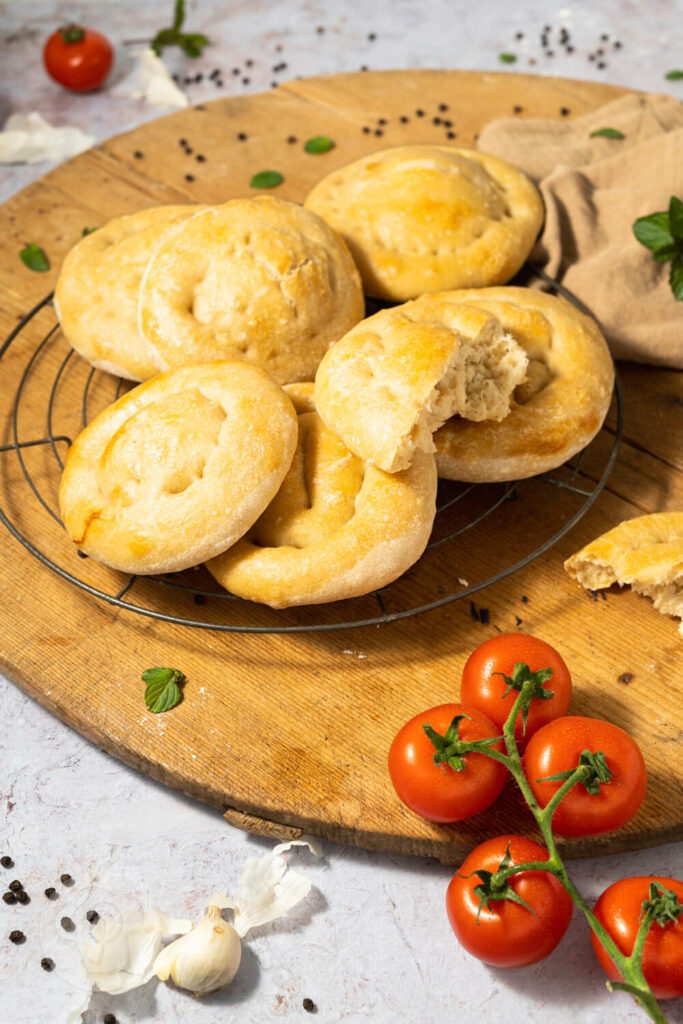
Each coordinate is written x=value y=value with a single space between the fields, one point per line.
x=428 y=218
x=338 y=527
x=261 y=280
x=96 y=295
x=555 y=413
x=179 y=468
x=387 y=385
x=645 y=553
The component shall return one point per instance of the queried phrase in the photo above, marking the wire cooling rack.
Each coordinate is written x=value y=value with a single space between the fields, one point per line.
x=43 y=371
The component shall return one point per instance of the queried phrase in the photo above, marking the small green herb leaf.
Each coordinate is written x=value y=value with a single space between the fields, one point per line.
x=191 y=43
x=673 y=76
x=266 y=179
x=318 y=144
x=161 y=690
x=88 y=231
x=676 y=276
x=507 y=58
x=676 y=218
x=34 y=257
x=653 y=231
x=607 y=133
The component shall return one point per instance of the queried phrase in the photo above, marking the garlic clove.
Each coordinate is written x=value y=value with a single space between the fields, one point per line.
x=205 y=959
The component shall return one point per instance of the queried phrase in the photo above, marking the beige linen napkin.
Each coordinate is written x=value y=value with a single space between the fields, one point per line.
x=593 y=189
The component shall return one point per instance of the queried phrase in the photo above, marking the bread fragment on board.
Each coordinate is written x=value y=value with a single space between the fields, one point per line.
x=645 y=553
x=394 y=378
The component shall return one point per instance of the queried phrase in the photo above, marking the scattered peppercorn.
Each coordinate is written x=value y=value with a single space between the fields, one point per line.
x=626 y=677
x=436 y=120
x=7 y=862
x=617 y=45
x=601 y=64
x=66 y=879
x=17 y=937
x=378 y=131
x=138 y=154
x=371 y=36
x=403 y=119
x=366 y=130
x=22 y=897
x=518 y=621
x=242 y=136
x=309 y=1005
x=235 y=71
x=67 y=924
x=51 y=893
x=519 y=35
x=9 y=897
x=451 y=135
x=189 y=177
x=364 y=67
x=292 y=139
x=565 y=111
x=447 y=124
x=443 y=107
x=249 y=63
x=15 y=886
x=92 y=917
x=245 y=81
x=109 y=1018
x=200 y=158
x=517 y=109
x=182 y=142
x=525 y=599
x=320 y=29
x=199 y=599
x=47 y=963
x=419 y=113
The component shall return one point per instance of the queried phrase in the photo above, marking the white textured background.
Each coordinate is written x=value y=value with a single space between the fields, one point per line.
x=372 y=942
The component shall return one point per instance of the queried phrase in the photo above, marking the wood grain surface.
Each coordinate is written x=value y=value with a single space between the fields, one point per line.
x=290 y=732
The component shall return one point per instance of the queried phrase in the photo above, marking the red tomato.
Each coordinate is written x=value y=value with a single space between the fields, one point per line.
x=508 y=934
x=557 y=747
x=483 y=688
x=78 y=58
x=619 y=910
x=438 y=792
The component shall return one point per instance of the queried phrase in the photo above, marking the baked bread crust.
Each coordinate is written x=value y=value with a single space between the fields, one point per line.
x=555 y=413
x=395 y=377
x=645 y=553
x=96 y=296
x=431 y=218
x=179 y=468
x=338 y=527
x=261 y=280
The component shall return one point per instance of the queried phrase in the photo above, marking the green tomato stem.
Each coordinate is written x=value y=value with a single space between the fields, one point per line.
x=629 y=967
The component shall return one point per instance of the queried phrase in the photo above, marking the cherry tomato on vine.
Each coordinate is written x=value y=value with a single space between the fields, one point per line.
x=619 y=910
x=437 y=791
x=507 y=933
x=556 y=749
x=78 y=58
x=484 y=688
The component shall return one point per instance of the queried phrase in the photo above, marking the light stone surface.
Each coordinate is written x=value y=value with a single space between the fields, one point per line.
x=371 y=942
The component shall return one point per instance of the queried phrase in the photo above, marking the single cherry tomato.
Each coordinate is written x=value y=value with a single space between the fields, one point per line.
x=78 y=58
x=506 y=933
x=557 y=747
x=437 y=791
x=619 y=910
x=483 y=686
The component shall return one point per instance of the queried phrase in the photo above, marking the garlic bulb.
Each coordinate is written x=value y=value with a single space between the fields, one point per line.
x=203 y=960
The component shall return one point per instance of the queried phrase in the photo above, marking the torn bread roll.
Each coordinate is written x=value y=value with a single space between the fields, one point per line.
x=645 y=553
x=389 y=383
x=337 y=528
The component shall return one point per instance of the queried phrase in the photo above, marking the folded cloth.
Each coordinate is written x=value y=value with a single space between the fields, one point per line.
x=594 y=189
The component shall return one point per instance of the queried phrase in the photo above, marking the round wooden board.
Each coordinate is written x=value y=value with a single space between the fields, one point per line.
x=286 y=733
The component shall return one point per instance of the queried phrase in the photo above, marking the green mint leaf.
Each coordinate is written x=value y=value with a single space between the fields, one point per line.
x=676 y=277
x=179 y=15
x=676 y=218
x=507 y=58
x=673 y=76
x=607 y=133
x=191 y=43
x=653 y=231
x=34 y=258
x=667 y=252
x=318 y=144
x=87 y=231
x=161 y=689
x=266 y=179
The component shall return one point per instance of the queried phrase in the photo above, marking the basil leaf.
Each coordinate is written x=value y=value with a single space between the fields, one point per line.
x=674 y=75
x=161 y=691
x=87 y=231
x=266 y=179
x=34 y=258
x=507 y=58
x=676 y=277
x=607 y=133
x=318 y=144
x=676 y=218
x=653 y=231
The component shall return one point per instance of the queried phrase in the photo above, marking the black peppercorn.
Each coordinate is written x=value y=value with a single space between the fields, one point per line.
x=67 y=924
x=366 y=130
x=109 y=1018
x=309 y=1005
x=419 y=113
x=249 y=63
x=200 y=158
x=378 y=131
x=138 y=154
x=199 y=599
x=17 y=937
x=291 y=139
x=66 y=879
x=565 y=111
x=451 y=135
x=443 y=107
x=22 y=897
x=92 y=916
x=51 y=893
x=189 y=177
x=7 y=862
x=242 y=136
x=9 y=897
x=15 y=886
x=403 y=119
x=47 y=963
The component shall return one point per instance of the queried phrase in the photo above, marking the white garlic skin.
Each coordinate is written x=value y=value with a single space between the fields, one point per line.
x=204 y=960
